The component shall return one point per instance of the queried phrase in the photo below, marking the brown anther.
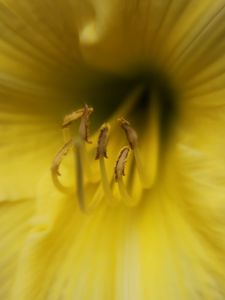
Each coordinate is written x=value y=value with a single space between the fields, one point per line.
x=59 y=155
x=68 y=119
x=102 y=142
x=131 y=134
x=120 y=163
x=84 y=124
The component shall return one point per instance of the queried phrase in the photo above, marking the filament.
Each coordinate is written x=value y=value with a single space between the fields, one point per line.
x=126 y=198
x=105 y=182
x=66 y=134
x=87 y=162
x=97 y=198
x=79 y=176
x=140 y=169
x=154 y=136
x=59 y=185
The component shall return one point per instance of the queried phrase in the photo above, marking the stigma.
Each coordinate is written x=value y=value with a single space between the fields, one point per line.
x=111 y=186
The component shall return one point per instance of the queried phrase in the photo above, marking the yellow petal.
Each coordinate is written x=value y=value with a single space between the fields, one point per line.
x=156 y=250
x=14 y=225
x=132 y=34
x=28 y=144
x=170 y=247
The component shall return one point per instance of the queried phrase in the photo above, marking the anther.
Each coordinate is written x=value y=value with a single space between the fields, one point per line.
x=102 y=141
x=132 y=139
x=131 y=134
x=84 y=124
x=101 y=154
x=119 y=173
x=120 y=163
x=56 y=164
x=68 y=119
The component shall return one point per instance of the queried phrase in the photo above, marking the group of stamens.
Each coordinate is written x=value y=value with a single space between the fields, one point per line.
x=78 y=144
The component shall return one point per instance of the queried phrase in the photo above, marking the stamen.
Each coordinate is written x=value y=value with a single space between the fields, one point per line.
x=84 y=124
x=66 y=134
x=84 y=137
x=154 y=140
x=101 y=154
x=79 y=166
x=132 y=139
x=120 y=163
x=97 y=198
x=102 y=141
x=131 y=134
x=68 y=119
x=83 y=163
x=79 y=177
x=56 y=163
x=119 y=173
x=84 y=115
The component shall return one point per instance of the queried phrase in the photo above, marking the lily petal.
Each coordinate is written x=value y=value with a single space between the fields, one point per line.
x=154 y=250
x=14 y=225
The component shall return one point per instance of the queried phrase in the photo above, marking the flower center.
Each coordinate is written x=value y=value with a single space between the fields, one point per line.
x=140 y=150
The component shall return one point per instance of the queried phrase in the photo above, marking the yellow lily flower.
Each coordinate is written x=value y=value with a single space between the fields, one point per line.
x=112 y=182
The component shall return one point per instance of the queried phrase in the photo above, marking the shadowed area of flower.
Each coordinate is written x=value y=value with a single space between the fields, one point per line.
x=112 y=118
